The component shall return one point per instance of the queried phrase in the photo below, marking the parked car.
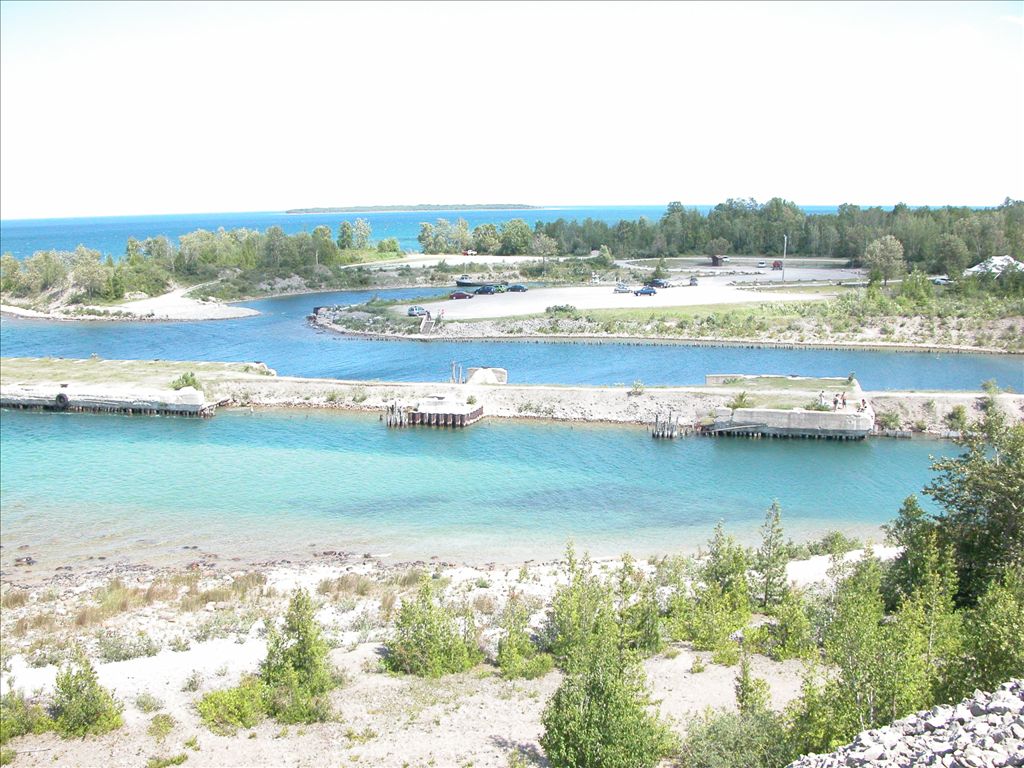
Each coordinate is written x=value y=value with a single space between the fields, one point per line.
x=469 y=252
x=417 y=311
x=645 y=291
x=762 y=264
x=485 y=290
x=942 y=280
x=461 y=295
x=622 y=288
x=500 y=288
x=693 y=281
x=657 y=283
x=517 y=288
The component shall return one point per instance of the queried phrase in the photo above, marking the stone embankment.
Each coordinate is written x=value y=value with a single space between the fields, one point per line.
x=984 y=731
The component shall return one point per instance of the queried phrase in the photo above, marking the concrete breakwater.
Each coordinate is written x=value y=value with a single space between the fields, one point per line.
x=255 y=385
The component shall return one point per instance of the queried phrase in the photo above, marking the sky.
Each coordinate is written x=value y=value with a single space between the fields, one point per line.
x=146 y=108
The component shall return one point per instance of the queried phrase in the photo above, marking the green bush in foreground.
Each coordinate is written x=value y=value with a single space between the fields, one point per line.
x=18 y=716
x=517 y=655
x=293 y=682
x=599 y=718
x=735 y=740
x=296 y=670
x=243 y=706
x=81 y=706
x=427 y=641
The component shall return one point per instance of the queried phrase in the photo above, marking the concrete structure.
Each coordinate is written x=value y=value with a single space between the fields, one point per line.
x=487 y=376
x=775 y=422
x=127 y=400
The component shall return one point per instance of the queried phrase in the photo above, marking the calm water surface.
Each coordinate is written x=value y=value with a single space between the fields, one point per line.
x=281 y=338
x=277 y=483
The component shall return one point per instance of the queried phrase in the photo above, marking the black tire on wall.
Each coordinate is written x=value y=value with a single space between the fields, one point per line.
x=62 y=401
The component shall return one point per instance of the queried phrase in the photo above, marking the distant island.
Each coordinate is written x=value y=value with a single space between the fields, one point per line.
x=413 y=208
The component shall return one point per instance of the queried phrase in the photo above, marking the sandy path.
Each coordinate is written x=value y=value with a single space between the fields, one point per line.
x=599 y=297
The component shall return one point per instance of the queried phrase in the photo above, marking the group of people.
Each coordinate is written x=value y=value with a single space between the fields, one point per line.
x=839 y=402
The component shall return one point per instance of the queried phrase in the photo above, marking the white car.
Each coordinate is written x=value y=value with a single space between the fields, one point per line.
x=623 y=288
x=762 y=263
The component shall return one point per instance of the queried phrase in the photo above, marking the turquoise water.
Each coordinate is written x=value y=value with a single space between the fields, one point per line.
x=282 y=484
x=281 y=337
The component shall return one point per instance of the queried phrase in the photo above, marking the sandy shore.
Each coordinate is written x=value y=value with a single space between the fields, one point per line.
x=172 y=306
x=474 y=717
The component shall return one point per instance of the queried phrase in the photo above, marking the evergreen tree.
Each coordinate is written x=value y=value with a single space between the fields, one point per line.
x=770 y=560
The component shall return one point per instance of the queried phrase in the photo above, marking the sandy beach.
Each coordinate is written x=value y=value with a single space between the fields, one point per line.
x=174 y=305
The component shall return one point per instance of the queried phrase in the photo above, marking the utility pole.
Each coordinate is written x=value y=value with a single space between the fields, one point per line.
x=785 y=243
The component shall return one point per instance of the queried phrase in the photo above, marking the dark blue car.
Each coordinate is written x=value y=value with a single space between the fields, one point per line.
x=645 y=291
x=485 y=290
x=517 y=288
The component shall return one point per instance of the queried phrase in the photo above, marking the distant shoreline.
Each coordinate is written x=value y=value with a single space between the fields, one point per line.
x=418 y=208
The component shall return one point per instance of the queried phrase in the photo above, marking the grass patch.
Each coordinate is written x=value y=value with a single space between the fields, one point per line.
x=161 y=726
x=165 y=762
x=147 y=702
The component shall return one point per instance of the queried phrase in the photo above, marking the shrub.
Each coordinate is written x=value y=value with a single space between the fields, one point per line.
x=956 y=419
x=581 y=612
x=147 y=702
x=791 y=635
x=166 y=762
x=81 y=706
x=637 y=608
x=18 y=716
x=114 y=647
x=742 y=400
x=517 y=655
x=160 y=726
x=187 y=379
x=427 y=641
x=243 y=706
x=889 y=420
x=599 y=716
x=296 y=670
x=731 y=740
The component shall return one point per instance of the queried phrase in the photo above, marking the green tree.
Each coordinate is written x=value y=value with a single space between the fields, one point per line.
x=517 y=654
x=884 y=257
x=992 y=649
x=660 y=270
x=752 y=694
x=726 y=563
x=516 y=237
x=486 y=239
x=951 y=255
x=637 y=607
x=296 y=669
x=10 y=273
x=981 y=493
x=581 y=613
x=427 y=640
x=717 y=246
x=770 y=559
x=599 y=718
x=345 y=236
x=361 y=234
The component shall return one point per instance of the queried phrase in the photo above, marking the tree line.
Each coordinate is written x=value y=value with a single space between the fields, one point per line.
x=151 y=265
x=944 y=239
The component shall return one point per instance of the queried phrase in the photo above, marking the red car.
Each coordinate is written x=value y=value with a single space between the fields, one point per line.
x=461 y=295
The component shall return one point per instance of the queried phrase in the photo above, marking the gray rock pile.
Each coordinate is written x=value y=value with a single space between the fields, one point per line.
x=984 y=731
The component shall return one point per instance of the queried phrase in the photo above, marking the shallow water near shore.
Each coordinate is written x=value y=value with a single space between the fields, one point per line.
x=283 y=484
x=281 y=338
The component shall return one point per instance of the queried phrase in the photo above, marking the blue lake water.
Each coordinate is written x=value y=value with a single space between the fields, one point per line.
x=282 y=484
x=108 y=234
x=282 y=339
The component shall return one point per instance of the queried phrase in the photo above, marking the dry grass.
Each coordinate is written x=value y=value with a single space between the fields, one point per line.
x=14 y=598
x=408 y=578
x=195 y=598
x=387 y=604
x=485 y=604
x=41 y=621
x=348 y=584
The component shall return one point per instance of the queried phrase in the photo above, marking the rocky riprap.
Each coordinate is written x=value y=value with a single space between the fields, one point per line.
x=984 y=731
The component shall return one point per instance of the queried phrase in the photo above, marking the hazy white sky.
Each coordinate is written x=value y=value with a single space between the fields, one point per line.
x=165 y=108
